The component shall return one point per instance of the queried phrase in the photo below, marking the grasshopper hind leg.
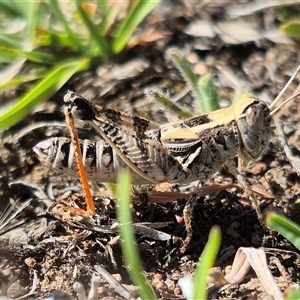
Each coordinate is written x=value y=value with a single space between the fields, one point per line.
x=189 y=206
x=188 y=212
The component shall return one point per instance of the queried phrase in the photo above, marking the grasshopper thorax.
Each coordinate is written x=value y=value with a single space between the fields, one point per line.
x=254 y=126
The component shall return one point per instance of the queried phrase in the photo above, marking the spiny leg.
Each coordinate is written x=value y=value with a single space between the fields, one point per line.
x=188 y=213
x=90 y=209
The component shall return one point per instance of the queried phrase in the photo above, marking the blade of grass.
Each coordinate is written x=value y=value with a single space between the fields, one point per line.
x=209 y=94
x=206 y=262
x=14 y=47
x=129 y=245
x=291 y=29
x=108 y=20
x=73 y=36
x=6 y=57
x=13 y=9
x=12 y=84
x=293 y=294
x=99 y=40
x=103 y=4
x=10 y=41
x=167 y=102
x=33 y=56
x=31 y=9
x=285 y=227
x=54 y=80
x=52 y=39
x=137 y=13
x=204 y=91
x=296 y=206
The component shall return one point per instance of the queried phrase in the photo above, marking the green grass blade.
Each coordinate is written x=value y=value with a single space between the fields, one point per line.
x=136 y=14
x=10 y=41
x=33 y=56
x=285 y=227
x=73 y=36
x=12 y=84
x=203 y=90
x=7 y=57
x=129 y=245
x=296 y=206
x=99 y=40
x=168 y=103
x=31 y=9
x=108 y=20
x=14 y=47
x=209 y=94
x=291 y=29
x=293 y=294
x=13 y=8
x=27 y=10
x=53 y=39
x=12 y=78
x=103 y=4
x=206 y=262
x=54 y=80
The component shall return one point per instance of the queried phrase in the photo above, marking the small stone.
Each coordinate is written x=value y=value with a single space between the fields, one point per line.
x=170 y=285
x=177 y=291
x=158 y=284
x=259 y=168
x=158 y=276
x=30 y=262
x=16 y=290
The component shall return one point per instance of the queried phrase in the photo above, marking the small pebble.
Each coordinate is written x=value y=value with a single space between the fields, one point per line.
x=177 y=291
x=16 y=290
x=170 y=285
x=30 y=262
x=158 y=276
x=259 y=168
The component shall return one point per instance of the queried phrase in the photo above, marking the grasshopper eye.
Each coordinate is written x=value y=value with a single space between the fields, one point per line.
x=78 y=106
x=81 y=108
x=84 y=110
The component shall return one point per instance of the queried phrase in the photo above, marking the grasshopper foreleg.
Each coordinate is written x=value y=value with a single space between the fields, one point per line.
x=243 y=182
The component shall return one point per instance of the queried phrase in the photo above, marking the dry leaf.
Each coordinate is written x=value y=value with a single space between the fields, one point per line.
x=255 y=258
x=227 y=31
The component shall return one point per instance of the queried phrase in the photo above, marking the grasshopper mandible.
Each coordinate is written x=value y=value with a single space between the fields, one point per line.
x=180 y=152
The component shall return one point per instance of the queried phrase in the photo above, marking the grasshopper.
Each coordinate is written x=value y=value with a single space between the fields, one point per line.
x=181 y=152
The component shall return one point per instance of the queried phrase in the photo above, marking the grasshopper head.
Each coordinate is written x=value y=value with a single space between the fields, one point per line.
x=254 y=126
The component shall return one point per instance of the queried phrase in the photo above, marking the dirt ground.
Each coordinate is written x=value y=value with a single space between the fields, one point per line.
x=240 y=46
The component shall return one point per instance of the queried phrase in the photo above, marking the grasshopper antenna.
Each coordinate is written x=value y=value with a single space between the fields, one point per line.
x=282 y=91
x=283 y=103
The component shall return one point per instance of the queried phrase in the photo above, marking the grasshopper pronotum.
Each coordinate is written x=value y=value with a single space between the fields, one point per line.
x=180 y=152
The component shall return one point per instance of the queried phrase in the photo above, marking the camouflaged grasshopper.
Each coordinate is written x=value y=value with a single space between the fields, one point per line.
x=179 y=152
